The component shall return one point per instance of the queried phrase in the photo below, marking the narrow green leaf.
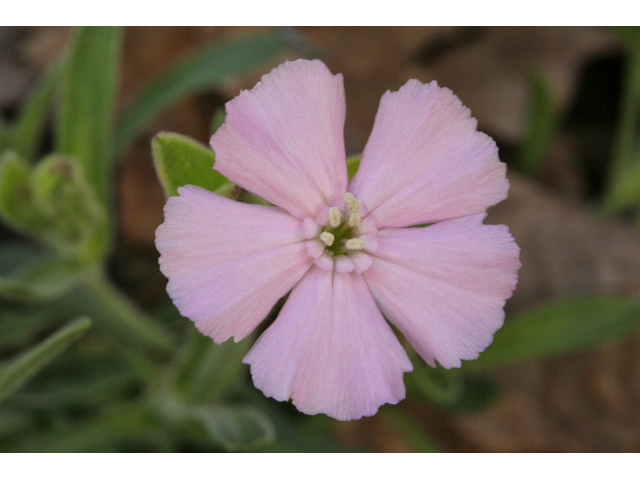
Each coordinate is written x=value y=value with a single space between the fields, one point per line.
x=180 y=160
x=352 y=165
x=560 y=327
x=624 y=179
x=41 y=279
x=17 y=372
x=236 y=428
x=202 y=70
x=33 y=115
x=542 y=122
x=92 y=392
x=85 y=126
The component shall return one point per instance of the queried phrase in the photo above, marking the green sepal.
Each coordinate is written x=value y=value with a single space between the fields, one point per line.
x=16 y=372
x=180 y=161
x=559 y=327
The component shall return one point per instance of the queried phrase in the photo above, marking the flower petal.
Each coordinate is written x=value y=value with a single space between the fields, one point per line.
x=284 y=139
x=330 y=350
x=425 y=161
x=227 y=262
x=444 y=286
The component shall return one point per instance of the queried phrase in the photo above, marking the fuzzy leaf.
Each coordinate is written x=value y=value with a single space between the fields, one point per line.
x=40 y=280
x=17 y=206
x=180 y=160
x=236 y=428
x=85 y=126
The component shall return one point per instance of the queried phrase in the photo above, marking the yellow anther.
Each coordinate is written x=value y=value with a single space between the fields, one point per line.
x=354 y=219
x=354 y=244
x=327 y=238
x=353 y=204
x=334 y=217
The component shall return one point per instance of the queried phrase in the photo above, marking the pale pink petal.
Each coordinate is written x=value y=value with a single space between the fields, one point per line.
x=425 y=161
x=444 y=286
x=227 y=262
x=330 y=350
x=283 y=140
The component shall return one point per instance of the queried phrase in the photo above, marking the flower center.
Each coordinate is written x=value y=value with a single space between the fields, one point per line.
x=340 y=235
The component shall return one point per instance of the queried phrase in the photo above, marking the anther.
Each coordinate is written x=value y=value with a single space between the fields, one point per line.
x=334 y=217
x=354 y=244
x=354 y=219
x=327 y=238
x=353 y=204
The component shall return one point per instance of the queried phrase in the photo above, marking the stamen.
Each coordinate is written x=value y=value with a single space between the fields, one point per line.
x=327 y=238
x=354 y=219
x=354 y=244
x=334 y=217
x=353 y=204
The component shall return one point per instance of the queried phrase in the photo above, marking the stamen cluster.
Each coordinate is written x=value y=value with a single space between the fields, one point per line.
x=339 y=235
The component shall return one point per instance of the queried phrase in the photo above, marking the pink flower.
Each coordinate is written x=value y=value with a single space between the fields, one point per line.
x=342 y=249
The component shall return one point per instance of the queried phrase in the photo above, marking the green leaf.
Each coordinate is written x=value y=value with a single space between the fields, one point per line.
x=202 y=70
x=236 y=428
x=218 y=370
x=624 y=179
x=352 y=165
x=17 y=372
x=20 y=326
x=85 y=126
x=33 y=115
x=40 y=280
x=542 y=123
x=180 y=160
x=560 y=327
x=17 y=206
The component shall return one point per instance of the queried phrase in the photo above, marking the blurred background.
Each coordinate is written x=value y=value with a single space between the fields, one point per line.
x=562 y=103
